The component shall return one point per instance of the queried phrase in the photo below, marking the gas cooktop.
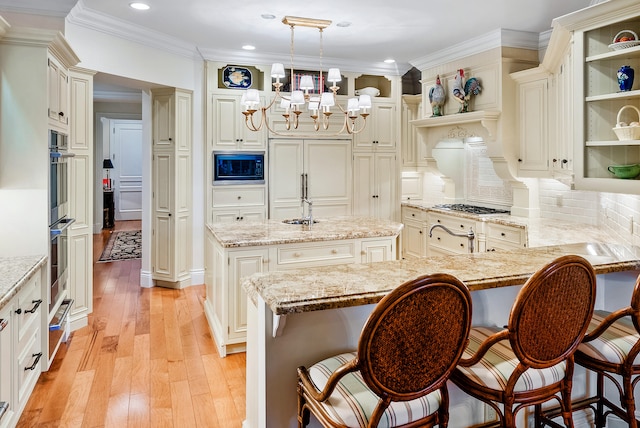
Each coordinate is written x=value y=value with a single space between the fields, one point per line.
x=471 y=209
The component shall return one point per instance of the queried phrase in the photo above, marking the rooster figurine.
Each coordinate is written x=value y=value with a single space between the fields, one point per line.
x=436 y=98
x=462 y=90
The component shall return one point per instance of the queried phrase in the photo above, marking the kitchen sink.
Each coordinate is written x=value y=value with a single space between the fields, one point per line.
x=298 y=221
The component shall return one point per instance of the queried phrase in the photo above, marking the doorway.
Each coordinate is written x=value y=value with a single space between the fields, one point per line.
x=125 y=150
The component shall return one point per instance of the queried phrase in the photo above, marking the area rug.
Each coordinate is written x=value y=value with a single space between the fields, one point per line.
x=123 y=245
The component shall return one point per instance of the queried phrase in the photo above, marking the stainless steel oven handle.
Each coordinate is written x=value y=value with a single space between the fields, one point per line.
x=59 y=155
x=61 y=229
x=4 y=407
x=67 y=303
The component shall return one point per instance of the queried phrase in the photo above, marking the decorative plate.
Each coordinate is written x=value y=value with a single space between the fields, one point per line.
x=236 y=77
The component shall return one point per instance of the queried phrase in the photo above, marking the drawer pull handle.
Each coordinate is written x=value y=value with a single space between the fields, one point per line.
x=36 y=304
x=296 y=255
x=503 y=234
x=438 y=238
x=3 y=323
x=462 y=226
x=438 y=220
x=239 y=197
x=334 y=251
x=35 y=363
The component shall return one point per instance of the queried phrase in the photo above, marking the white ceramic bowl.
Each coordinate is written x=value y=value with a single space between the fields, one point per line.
x=372 y=92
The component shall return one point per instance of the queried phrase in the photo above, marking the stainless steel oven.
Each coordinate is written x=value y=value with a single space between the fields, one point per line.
x=59 y=221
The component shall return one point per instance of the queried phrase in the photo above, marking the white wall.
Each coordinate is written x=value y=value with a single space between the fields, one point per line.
x=126 y=58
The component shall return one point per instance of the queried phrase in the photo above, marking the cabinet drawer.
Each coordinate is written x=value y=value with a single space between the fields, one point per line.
x=236 y=196
x=456 y=224
x=451 y=244
x=510 y=234
x=28 y=308
x=409 y=214
x=315 y=255
x=29 y=365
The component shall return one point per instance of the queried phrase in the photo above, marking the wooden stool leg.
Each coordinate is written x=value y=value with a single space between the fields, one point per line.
x=600 y=422
x=628 y=401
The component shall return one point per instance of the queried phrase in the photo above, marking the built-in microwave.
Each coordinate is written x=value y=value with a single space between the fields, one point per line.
x=238 y=168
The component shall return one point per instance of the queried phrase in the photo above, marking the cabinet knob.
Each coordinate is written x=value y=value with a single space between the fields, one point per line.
x=438 y=238
x=239 y=197
x=170 y=139
x=420 y=232
x=334 y=251
x=462 y=226
x=241 y=218
x=438 y=220
x=413 y=215
x=564 y=161
x=555 y=160
x=503 y=234
x=462 y=245
x=61 y=114
x=296 y=255
x=519 y=160
x=19 y=311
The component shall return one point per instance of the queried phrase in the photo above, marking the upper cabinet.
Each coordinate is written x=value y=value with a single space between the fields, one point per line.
x=380 y=132
x=229 y=129
x=58 y=82
x=599 y=101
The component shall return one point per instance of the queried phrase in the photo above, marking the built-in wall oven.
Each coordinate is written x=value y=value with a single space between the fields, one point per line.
x=59 y=221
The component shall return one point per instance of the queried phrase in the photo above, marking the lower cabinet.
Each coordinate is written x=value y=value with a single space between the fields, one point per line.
x=238 y=203
x=226 y=300
x=414 y=233
x=503 y=237
x=21 y=349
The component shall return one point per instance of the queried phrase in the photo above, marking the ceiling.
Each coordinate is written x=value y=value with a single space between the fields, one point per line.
x=379 y=29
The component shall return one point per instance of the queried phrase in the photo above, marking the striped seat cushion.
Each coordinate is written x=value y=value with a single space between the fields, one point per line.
x=494 y=370
x=615 y=343
x=352 y=402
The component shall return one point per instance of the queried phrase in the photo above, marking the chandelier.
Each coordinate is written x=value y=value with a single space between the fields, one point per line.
x=317 y=104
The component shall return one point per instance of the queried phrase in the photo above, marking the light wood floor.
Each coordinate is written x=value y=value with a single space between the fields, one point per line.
x=146 y=359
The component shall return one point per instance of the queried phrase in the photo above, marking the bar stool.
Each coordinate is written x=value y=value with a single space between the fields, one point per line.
x=611 y=348
x=531 y=360
x=408 y=347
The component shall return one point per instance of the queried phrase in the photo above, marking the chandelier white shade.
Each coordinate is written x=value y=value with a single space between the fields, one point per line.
x=303 y=92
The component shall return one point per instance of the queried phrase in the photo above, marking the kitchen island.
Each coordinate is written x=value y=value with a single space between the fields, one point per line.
x=300 y=317
x=239 y=249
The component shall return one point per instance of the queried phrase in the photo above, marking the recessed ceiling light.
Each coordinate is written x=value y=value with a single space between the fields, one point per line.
x=268 y=16
x=248 y=47
x=343 y=24
x=139 y=6
x=389 y=60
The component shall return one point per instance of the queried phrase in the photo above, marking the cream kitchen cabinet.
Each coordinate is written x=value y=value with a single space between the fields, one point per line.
x=374 y=184
x=238 y=203
x=319 y=169
x=7 y=405
x=227 y=264
x=380 y=132
x=533 y=126
x=501 y=237
x=440 y=242
x=414 y=233
x=597 y=97
x=412 y=147
x=172 y=187
x=58 y=85
x=229 y=129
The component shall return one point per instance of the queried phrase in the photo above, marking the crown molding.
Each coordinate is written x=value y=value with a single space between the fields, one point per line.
x=302 y=62
x=494 y=39
x=57 y=9
x=93 y=20
x=51 y=39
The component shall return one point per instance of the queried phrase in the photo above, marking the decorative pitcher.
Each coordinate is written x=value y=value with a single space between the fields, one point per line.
x=625 y=78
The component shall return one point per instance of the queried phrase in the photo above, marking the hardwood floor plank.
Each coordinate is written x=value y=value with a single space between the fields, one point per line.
x=183 y=406
x=145 y=359
x=77 y=399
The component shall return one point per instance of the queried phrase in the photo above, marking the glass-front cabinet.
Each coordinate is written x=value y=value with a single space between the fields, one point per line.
x=605 y=47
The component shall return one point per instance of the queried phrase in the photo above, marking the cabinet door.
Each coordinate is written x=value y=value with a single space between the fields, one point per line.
x=385 y=185
x=226 y=122
x=533 y=132
x=364 y=184
x=163 y=229
x=414 y=239
x=285 y=178
x=63 y=97
x=380 y=131
x=58 y=84
x=562 y=146
x=242 y=264
x=6 y=366
x=327 y=165
x=377 y=251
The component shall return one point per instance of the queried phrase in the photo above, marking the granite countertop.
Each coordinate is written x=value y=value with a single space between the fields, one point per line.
x=274 y=232
x=540 y=231
x=359 y=284
x=14 y=274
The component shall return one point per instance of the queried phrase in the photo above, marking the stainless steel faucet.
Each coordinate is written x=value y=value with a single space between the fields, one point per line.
x=469 y=235
x=309 y=216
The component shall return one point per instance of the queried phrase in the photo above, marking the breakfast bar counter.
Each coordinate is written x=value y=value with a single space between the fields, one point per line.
x=298 y=317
